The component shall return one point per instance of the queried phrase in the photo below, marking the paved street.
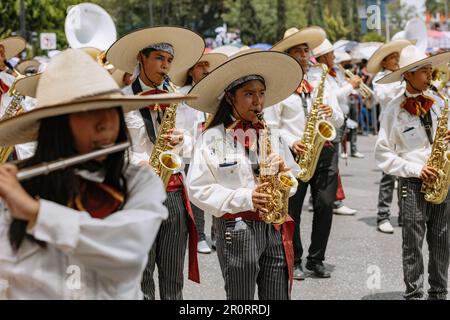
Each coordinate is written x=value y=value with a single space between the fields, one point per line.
x=357 y=253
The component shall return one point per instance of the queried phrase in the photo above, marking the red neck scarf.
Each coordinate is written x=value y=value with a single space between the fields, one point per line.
x=98 y=199
x=417 y=106
x=3 y=87
x=305 y=87
x=157 y=106
x=245 y=132
x=332 y=72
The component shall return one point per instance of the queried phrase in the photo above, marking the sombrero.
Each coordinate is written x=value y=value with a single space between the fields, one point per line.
x=412 y=57
x=282 y=75
x=374 y=63
x=313 y=36
x=214 y=60
x=73 y=82
x=13 y=46
x=188 y=48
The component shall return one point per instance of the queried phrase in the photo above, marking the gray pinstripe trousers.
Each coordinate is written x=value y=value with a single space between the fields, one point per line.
x=420 y=217
x=168 y=252
x=251 y=257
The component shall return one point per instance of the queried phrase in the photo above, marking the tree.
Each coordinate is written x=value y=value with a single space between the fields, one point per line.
x=249 y=22
x=281 y=18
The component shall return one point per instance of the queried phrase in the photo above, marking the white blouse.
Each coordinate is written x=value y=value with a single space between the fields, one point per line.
x=85 y=257
x=220 y=177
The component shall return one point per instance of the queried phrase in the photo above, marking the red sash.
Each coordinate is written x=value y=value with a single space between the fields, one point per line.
x=305 y=87
x=340 y=195
x=287 y=234
x=175 y=184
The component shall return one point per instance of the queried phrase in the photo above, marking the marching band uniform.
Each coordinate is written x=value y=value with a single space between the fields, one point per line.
x=93 y=250
x=290 y=117
x=169 y=250
x=222 y=178
x=402 y=149
x=384 y=94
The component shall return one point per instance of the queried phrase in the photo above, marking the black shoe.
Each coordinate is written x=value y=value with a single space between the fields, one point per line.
x=298 y=273
x=318 y=269
x=400 y=222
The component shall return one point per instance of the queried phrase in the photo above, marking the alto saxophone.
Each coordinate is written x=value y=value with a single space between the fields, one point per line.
x=317 y=131
x=436 y=191
x=163 y=161
x=279 y=183
x=14 y=108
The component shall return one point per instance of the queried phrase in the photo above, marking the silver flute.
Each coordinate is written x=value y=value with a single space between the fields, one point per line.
x=47 y=167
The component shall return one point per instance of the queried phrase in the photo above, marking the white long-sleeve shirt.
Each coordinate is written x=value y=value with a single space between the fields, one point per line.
x=402 y=147
x=343 y=89
x=289 y=117
x=142 y=145
x=385 y=93
x=85 y=257
x=221 y=178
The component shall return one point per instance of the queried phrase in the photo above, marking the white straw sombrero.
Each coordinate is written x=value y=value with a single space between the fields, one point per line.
x=282 y=75
x=73 y=82
x=214 y=60
x=313 y=36
x=412 y=57
x=13 y=46
x=374 y=63
x=27 y=66
x=325 y=47
x=188 y=48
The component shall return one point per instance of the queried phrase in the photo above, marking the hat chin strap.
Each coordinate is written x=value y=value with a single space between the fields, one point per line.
x=411 y=85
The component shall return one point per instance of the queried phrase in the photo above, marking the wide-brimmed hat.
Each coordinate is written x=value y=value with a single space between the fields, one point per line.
x=188 y=48
x=341 y=56
x=374 y=63
x=325 y=47
x=282 y=75
x=214 y=60
x=228 y=50
x=412 y=57
x=13 y=46
x=312 y=36
x=28 y=66
x=73 y=82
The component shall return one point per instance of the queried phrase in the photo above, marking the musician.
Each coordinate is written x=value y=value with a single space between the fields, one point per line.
x=383 y=62
x=82 y=232
x=405 y=139
x=9 y=47
x=222 y=176
x=290 y=116
x=342 y=88
x=152 y=54
x=193 y=121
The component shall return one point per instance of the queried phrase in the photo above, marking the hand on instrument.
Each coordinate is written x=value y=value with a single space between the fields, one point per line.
x=447 y=137
x=298 y=147
x=277 y=163
x=355 y=81
x=20 y=204
x=429 y=174
x=325 y=110
x=259 y=199
x=174 y=138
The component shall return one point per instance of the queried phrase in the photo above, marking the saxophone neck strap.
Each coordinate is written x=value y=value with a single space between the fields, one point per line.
x=427 y=123
x=145 y=113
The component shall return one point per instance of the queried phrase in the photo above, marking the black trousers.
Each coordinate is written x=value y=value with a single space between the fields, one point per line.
x=323 y=190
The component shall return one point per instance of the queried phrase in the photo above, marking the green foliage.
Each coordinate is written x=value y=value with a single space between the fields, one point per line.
x=373 y=37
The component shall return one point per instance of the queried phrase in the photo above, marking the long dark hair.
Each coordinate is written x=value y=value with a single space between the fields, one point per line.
x=55 y=140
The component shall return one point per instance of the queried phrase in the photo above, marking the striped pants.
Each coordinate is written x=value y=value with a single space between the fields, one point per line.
x=251 y=254
x=420 y=217
x=168 y=253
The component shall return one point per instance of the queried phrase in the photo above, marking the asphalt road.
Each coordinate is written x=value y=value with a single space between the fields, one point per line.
x=365 y=263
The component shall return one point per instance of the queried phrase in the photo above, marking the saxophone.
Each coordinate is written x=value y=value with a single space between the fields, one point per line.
x=279 y=184
x=163 y=161
x=14 y=108
x=317 y=131
x=436 y=191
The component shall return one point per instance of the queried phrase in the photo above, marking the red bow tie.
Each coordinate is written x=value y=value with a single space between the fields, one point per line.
x=98 y=199
x=155 y=107
x=246 y=132
x=332 y=72
x=417 y=106
x=305 y=87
